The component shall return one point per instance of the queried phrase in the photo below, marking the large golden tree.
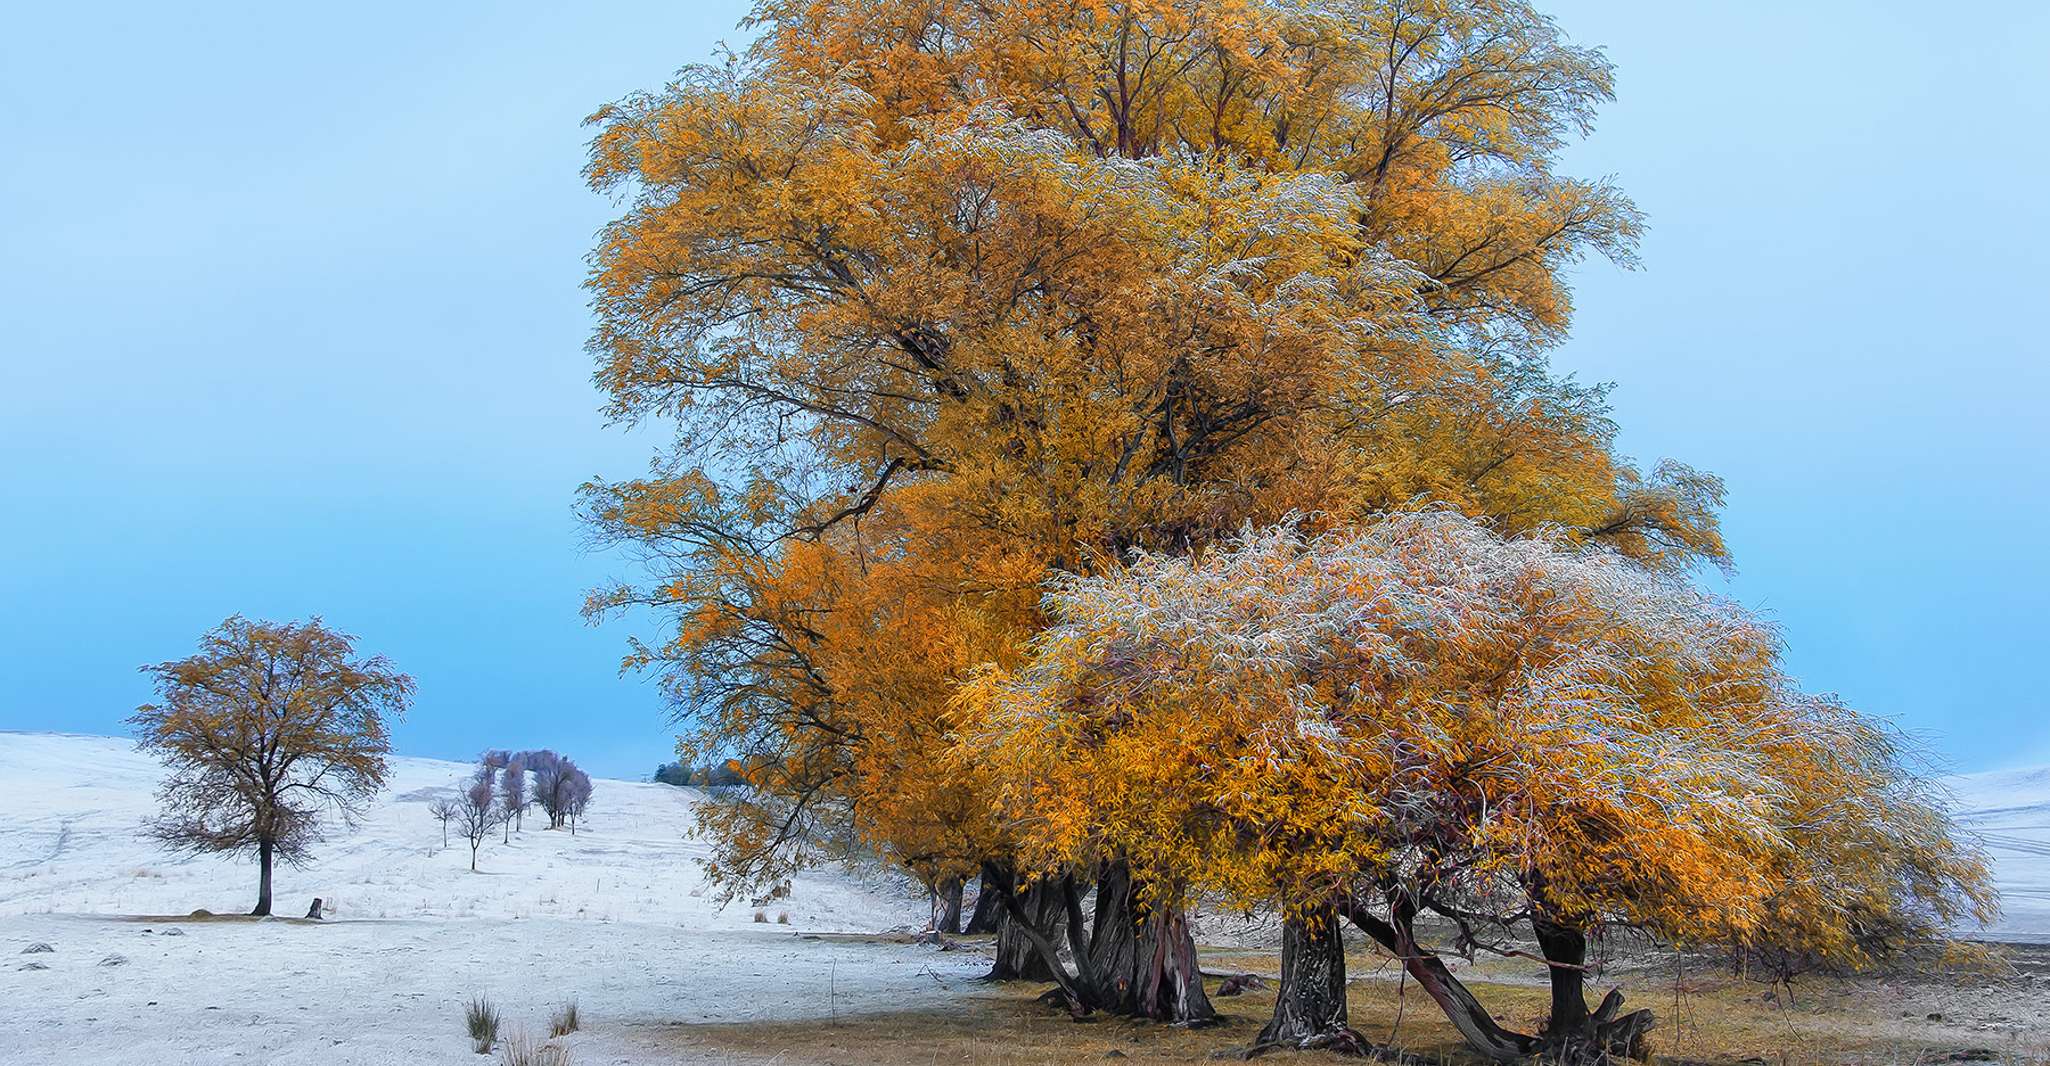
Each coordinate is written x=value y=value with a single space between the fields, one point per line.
x=946 y=297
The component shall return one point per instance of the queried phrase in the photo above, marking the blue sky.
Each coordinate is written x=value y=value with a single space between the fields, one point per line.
x=290 y=324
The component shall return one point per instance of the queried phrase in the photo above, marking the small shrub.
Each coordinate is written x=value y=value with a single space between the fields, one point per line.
x=564 y=1021
x=481 y=1018
x=782 y=917
x=761 y=919
x=520 y=1051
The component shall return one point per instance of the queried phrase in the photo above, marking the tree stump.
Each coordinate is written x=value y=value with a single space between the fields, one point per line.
x=314 y=911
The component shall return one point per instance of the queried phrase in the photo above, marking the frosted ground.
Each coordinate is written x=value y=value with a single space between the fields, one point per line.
x=616 y=917
x=2010 y=812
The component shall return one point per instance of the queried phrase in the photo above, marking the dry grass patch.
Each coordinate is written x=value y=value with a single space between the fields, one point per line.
x=1702 y=1018
x=480 y=1020
x=518 y=1050
x=999 y=1025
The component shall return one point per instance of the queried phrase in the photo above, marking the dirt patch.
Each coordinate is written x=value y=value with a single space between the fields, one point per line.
x=209 y=918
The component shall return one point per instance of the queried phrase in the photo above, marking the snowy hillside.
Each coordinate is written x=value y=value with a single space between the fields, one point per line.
x=616 y=918
x=69 y=844
x=2010 y=811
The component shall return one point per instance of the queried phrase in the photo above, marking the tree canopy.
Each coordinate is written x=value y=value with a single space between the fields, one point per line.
x=1421 y=715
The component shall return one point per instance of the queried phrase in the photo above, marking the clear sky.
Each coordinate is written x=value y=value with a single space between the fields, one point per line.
x=290 y=324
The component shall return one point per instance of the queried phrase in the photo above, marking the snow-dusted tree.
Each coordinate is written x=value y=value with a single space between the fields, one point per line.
x=1420 y=716
x=267 y=729
x=577 y=796
x=444 y=811
x=477 y=814
x=512 y=789
x=559 y=787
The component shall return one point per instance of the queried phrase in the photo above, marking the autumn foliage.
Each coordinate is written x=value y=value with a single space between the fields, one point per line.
x=947 y=301
x=1419 y=716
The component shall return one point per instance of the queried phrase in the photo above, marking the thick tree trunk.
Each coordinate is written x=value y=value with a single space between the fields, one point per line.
x=1309 y=1006
x=1461 y=1008
x=1565 y=951
x=1017 y=958
x=1170 y=983
x=988 y=912
x=265 y=853
x=1114 y=934
x=946 y=913
x=1574 y=1034
x=1144 y=957
x=1027 y=944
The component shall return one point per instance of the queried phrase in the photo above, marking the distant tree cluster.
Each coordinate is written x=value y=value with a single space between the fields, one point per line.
x=504 y=785
x=560 y=789
x=725 y=774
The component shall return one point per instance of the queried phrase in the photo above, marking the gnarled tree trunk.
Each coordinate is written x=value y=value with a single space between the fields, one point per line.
x=1017 y=956
x=1309 y=1006
x=1144 y=956
x=1114 y=932
x=1169 y=983
x=1574 y=1034
x=946 y=910
x=1461 y=1008
x=1565 y=951
x=988 y=912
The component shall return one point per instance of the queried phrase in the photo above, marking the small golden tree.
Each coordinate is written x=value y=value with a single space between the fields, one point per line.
x=266 y=729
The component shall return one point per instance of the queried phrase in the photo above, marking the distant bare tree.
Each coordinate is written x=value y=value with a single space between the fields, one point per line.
x=578 y=796
x=444 y=810
x=512 y=789
x=477 y=815
x=267 y=729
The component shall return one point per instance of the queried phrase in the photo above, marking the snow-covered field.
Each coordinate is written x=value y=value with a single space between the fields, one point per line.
x=617 y=917
x=2010 y=811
